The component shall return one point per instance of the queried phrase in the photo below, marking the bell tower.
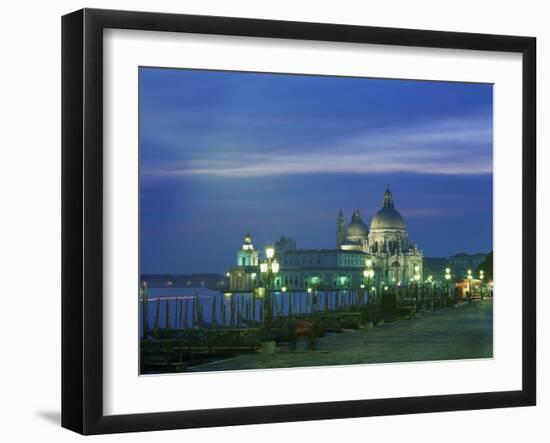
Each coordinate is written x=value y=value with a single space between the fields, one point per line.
x=247 y=256
x=340 y=229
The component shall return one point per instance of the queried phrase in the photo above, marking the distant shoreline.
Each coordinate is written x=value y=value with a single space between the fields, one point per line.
x=197 y=280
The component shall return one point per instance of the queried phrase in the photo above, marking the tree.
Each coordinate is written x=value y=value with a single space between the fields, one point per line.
x=487 y=266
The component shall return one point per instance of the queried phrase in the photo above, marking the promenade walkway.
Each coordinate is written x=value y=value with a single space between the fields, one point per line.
x=462 y=333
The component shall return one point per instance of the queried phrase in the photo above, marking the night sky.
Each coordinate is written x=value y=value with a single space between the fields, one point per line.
x=223 y=153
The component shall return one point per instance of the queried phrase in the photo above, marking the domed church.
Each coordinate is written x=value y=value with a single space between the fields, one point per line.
x=394 y=257
x=385 y=247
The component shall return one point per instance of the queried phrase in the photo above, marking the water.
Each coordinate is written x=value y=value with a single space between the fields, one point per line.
x=182 y=308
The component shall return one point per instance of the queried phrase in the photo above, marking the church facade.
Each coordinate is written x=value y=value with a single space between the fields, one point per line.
x=384 y=248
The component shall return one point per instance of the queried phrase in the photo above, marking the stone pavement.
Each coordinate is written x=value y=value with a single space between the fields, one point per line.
x=462 y=333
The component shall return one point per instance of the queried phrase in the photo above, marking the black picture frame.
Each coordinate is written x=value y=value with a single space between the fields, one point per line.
x=82 y=219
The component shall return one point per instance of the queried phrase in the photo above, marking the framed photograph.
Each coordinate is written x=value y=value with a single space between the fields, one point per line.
x=269 y=221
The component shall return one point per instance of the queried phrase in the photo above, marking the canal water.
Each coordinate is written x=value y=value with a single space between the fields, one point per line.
x=182 y=308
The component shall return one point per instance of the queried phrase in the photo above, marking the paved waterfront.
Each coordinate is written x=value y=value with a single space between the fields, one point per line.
x=463 y=332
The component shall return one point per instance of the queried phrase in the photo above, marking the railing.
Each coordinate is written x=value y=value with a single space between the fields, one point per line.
x=182 y=331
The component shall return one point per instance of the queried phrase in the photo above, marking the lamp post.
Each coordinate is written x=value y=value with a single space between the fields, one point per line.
x=447 y=279
x=481 y=277
x=309 y=301
x=416 y=278
x=368 y=274
x=469 y=285
x=430 y=287
x=269 y=269
x=342 y=282
x=315 y=282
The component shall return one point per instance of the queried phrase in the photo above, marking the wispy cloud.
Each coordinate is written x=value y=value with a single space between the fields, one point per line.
x=429 y=212
x=455 y=146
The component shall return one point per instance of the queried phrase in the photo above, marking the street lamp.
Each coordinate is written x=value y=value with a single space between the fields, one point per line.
x=269 y=269
x=227 y=279
x=275 y=266
x=253 y=277
x=416 y=278
x=368 y=274
x=481 y=277
x=470 y=284
x=431 y=292
x=416 y=275
x=447 y=279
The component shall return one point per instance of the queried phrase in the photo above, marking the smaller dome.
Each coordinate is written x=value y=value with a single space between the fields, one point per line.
x=357 y=228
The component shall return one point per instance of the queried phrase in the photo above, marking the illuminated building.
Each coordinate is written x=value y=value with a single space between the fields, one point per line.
x=243 y=276
x=394 y=259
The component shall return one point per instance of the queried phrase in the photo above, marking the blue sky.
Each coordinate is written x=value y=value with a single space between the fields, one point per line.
x=223 y=153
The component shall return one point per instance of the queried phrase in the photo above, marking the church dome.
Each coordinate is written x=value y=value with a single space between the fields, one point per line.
x=388 y=217
x=357 y=228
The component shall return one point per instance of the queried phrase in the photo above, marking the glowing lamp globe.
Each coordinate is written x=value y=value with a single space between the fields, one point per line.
x=269 y=252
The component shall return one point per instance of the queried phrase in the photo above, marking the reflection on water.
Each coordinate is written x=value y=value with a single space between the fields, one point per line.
x=181 y=308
